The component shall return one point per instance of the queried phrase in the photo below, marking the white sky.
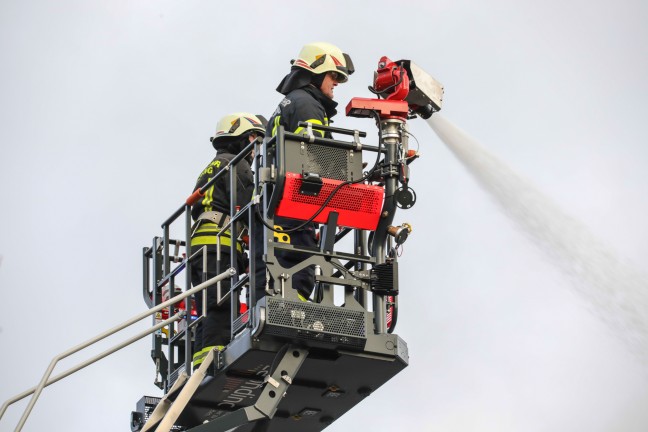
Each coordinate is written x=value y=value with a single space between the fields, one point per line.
x=105 y=112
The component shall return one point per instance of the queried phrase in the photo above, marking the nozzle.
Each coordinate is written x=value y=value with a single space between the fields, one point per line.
x=425 y=111
x=400 y=233
x=426 y=94
x=406 y=91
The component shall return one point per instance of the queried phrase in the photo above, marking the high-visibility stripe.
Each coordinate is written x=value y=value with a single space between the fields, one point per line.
x=211 y=241
x=209 y=198
x=200 y=356
x=206 y=235
x=209 y=227
x=314 y=121
x=276 y=125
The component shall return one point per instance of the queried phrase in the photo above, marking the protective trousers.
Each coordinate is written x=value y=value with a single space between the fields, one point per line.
x=215 y=328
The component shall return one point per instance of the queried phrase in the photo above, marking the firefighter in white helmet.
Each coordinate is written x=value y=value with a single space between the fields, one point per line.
x=233 y=133
x=309 y=91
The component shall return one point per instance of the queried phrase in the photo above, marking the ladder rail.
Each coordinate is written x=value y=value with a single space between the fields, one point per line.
x=92 y=360
x=45 y=380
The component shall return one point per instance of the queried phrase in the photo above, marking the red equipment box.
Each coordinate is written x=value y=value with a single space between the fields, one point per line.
x=358 y=205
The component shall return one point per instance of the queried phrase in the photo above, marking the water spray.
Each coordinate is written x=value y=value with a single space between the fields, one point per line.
x=616 y=292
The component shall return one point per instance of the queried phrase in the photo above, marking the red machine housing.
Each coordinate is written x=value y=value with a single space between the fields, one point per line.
x=362 y=107
x=392 y=82
x=358 y=205
x=391 y=78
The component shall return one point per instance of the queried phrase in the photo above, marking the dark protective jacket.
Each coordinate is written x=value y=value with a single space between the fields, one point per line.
x=217 y=197
x=303 y=104
x=215 y=329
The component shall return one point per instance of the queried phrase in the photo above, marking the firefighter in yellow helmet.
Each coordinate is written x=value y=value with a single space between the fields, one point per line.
x=309 y=87
x=233 y=133
x=309 y=90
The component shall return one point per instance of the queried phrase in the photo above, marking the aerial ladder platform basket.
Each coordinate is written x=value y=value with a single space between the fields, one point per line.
x=296 y=365
x=293 y=364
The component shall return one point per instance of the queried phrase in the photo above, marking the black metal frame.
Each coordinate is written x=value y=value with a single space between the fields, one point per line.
x=158 y=260
x=266 y=327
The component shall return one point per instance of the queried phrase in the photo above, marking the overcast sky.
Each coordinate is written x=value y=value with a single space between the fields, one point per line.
x=106 y=108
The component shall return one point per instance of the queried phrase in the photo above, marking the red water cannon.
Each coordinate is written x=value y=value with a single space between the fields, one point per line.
x=406 y=91
x=391 y=80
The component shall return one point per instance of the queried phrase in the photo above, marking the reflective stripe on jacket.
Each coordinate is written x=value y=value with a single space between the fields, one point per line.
x=206 y=235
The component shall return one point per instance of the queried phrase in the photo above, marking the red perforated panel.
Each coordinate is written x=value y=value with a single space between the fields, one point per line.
x=358 y=205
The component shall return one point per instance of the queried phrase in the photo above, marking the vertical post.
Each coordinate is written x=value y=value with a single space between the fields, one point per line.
x=170 y=352
x=166 y=269
x=252 y=232
x=391 y=137
x=360 y=248
x=188 y=300
x=233 y=243
x=156 y=349
x=167 y=263
x=253 y=225
x=146 y=278
x=276 y=163
x=203 y=257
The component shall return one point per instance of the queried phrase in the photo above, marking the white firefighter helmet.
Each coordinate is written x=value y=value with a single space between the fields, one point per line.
x=321 y=57
x=235 y=125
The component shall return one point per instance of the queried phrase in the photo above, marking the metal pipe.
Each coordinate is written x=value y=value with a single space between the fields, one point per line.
x=173 y=273
x=360 y=240
x=391 y=136
x=235 y=160
x=146 y=280
x=218 y=265
x=233 y=244
x=104 y=335
x=203 y=312
x=334 y=129
x=176 y=214
x=188 y=329
x=166 y=266
x=170 y=350
x=332 y=143
x=340 y=235
x=253 y=225
x=156 y=348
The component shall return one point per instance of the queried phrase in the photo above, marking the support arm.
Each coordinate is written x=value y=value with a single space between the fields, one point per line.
x=266 y=406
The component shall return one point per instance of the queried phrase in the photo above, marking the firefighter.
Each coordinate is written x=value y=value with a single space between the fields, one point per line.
x=309 y=91
x=233 y=133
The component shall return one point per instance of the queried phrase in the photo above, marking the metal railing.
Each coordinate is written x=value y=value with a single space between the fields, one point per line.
x=165 y=275
x=46 y=380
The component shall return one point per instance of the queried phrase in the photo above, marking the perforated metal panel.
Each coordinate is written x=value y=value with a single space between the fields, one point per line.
x=327 y=162
x=358 y=199
x=312 y=321
x=358 y=205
